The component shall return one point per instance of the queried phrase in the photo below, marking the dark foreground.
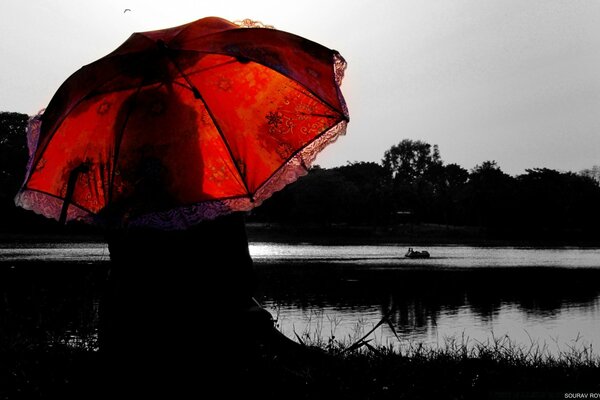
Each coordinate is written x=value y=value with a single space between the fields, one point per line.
x=368 y=373
x=48 y=349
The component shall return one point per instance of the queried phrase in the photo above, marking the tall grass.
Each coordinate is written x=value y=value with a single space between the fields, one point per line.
x=362 y=366
x=321 y=332
x=357 y=365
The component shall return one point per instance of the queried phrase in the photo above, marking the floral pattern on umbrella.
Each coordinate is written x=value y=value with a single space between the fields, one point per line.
x=184 y=124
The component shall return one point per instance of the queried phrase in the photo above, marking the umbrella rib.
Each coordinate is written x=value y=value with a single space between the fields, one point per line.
x=224 y=53
x=118 y=140
x=326 y=103
x=199 y=96
x=229 y=151
x=199 y=71
x=95 y=93
x=40 y=151
x=60 y=198
x=294 y=154
x=73 y=177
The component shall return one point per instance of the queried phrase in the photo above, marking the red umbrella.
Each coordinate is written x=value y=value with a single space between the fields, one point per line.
x=184 y=124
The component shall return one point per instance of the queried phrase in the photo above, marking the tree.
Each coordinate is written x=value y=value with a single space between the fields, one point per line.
x=455 y=175
x=13 y=161
x=323 y=196
x=490 y=197
x=556 y=204
x=410 y=160
x=450 y=182
x=371 y=180
x=593 y=173
x=415 y=171
x=13 y=152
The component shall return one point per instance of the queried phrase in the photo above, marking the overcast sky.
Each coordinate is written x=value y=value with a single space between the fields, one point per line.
x=515 y=81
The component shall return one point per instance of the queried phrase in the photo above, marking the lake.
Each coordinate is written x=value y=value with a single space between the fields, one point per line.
x=546 y=296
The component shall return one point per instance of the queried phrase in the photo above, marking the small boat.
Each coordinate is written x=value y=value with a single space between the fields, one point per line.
x=416 y=254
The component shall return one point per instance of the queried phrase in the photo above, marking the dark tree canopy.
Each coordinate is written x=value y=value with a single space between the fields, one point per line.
x=593 y=173
x=13 y=162
x=410 y=160
x=13 y=152
x=413 y=181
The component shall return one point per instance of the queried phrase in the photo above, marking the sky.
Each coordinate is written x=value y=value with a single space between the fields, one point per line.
x=512 y=81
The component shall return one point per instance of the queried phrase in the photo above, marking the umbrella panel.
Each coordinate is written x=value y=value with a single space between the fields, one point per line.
x=264 y=116
x=184 y=124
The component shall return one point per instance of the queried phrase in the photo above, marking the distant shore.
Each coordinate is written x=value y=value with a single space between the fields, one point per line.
x=342 y=234
x=404 y=234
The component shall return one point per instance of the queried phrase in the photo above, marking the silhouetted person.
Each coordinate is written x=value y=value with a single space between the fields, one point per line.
x=178 y=311
x=176 y=299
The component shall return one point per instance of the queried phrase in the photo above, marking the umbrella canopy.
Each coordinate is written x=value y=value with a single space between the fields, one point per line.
x=184 y=124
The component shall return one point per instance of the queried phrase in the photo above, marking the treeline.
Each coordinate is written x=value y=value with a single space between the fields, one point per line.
x=413 y=185
x=410 y=185
x=13 y=159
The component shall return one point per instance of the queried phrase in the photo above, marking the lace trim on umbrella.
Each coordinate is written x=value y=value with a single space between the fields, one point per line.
x=184 y=217
x=34 y=124
x=249 y=23
x=297 y=166
x=50 y=206
x=38 y=202
x=339 y=69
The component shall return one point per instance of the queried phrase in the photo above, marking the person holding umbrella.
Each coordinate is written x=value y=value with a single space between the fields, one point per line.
x=171 y=292
x=165 y=143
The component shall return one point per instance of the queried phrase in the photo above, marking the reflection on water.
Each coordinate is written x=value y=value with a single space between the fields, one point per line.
x=49 y=252
x=415 y=322
x=376 y=256
x=545 y=296
x=554 y=305
x=441 y=256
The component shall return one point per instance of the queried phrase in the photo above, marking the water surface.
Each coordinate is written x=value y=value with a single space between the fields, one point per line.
x=545 y=296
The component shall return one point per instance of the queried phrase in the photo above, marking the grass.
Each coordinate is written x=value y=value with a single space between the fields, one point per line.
x=354 y=367
x=458 y=368
x=502 y=349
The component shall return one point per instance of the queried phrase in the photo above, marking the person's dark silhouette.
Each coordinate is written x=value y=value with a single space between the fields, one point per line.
x=174 y=299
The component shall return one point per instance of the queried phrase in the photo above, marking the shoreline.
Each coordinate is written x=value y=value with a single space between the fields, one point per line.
x=407 y=234
x=410 y=235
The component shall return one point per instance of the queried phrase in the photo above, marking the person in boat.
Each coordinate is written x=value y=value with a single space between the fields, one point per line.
x=416 y=254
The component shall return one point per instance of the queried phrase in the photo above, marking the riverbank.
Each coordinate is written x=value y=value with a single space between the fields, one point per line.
x=497 y=370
